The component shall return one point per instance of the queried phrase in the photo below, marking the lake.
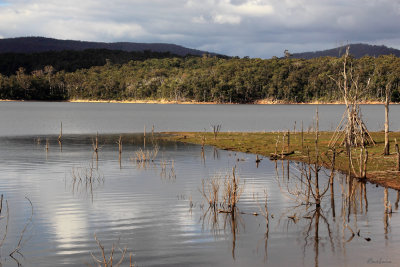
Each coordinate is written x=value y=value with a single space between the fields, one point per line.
x=34 y=118
x=156 y=209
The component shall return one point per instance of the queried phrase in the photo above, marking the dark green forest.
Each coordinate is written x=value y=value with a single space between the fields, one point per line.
x=106 y=75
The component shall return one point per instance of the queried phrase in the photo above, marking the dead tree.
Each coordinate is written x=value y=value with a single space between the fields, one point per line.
x=388 y=93
x=216 y=129
x=351 y=128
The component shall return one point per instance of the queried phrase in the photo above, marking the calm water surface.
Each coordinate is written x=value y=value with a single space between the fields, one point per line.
x=156 y=210
x=32 y=118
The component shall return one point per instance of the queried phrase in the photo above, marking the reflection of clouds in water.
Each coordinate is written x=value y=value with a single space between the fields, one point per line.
x=70 y=227
x=152 y=215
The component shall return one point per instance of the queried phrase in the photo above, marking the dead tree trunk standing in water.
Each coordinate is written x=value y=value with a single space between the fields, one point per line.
x=387 y=100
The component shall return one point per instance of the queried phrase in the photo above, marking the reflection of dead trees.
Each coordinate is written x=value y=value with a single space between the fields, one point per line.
x=308 y=190
x=167 y=172
x=331 y=184
x=387 y=213
x=223 y=222
x=203 y=156
x=265 y=213
x=315 y=218
x=86 y=179
x=223 y=201
x=215 y=153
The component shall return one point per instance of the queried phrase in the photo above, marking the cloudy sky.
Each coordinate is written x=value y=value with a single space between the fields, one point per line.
x=255 y=28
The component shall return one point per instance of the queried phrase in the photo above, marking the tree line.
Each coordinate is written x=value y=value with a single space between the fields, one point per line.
x=192 y=78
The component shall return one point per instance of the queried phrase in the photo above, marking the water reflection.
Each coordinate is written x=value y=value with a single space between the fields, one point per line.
x=314 y=210
x=316 y=216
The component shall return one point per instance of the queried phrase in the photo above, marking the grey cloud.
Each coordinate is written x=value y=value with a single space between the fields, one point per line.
x=256 y=28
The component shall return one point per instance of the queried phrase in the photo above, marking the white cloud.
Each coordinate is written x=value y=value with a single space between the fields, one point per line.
x=229 y=19
x=235 y=27
x=199 y=19
x=252 y=8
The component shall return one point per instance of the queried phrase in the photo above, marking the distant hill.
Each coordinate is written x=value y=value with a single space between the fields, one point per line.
x=357 y=50
x=42 y=44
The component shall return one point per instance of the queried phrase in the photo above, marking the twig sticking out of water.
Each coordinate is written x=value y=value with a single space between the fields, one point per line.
x=210 y=190
x=144 y=137
x=232 y=191
x=143 y=156
x=38 y=140
x=119 y=142
x=60 y=136
x=7 y=220
x=95 y=143
x=107 y=261
x=21 y=240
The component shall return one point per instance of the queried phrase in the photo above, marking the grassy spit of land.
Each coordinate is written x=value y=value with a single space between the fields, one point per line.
x=380 y=169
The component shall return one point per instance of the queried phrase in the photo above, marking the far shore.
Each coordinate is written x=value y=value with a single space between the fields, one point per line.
x=165 y=101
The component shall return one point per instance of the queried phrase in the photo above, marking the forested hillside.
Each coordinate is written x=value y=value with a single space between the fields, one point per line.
x=357 y=50
x=205 y=78
x=70 y=61
x=41 y=44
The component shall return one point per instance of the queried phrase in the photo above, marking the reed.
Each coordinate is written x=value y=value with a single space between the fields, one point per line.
x=232 y=191
x=210 y=190
x=145 y=156
x=228 y=197
x=109 y=261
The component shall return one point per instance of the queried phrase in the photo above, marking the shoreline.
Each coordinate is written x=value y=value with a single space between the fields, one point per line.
x=381 y=169
x=169 y=102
